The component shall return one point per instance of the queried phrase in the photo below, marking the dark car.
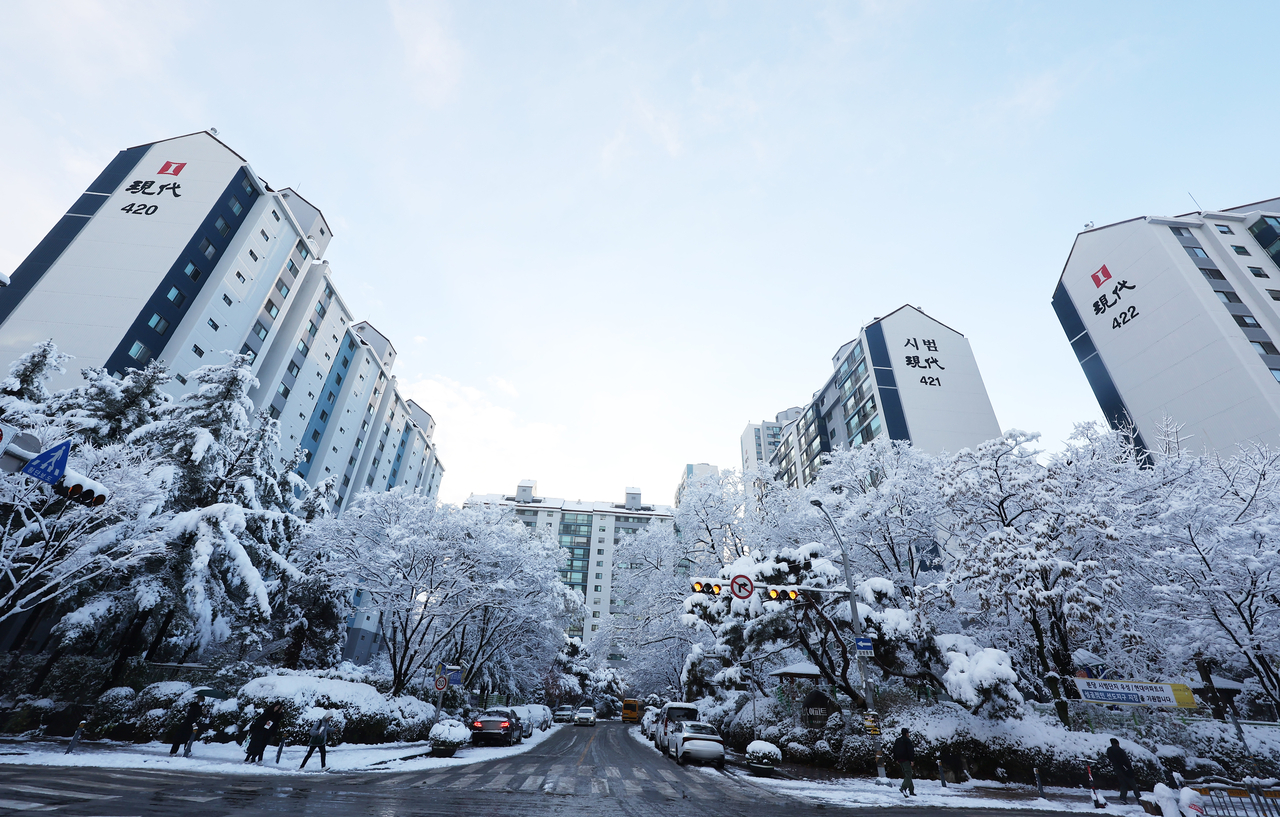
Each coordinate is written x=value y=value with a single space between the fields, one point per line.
x=500 y=725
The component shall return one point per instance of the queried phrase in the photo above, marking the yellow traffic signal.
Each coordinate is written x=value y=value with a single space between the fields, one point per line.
x=697 y=586
x=715 y=588
x=782 y=594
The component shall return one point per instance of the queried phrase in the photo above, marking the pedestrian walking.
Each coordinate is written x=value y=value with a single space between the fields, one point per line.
x=75 y=739
x=904 y=752
x=185 y=731
x=1124 y=771
x=260 y=732
x=319 y=736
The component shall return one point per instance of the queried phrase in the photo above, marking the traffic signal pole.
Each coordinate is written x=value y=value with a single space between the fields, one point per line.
x=868 y=689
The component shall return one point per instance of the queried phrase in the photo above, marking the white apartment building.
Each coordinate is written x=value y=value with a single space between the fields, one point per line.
x=906 y=375
x=760 y=440
x=588 y=532
x=692 y=471
x=179 y=252
x=1176 y=317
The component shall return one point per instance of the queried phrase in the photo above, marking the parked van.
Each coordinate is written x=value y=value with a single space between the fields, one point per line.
x=630 y=711
x=668 y=723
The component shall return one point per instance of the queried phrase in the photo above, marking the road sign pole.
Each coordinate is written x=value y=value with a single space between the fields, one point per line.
x=868 y=689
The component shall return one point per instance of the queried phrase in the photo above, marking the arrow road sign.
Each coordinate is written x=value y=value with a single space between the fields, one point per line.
x=442 y=683
x=864 y=646
x=49 y=466
x=742 y=587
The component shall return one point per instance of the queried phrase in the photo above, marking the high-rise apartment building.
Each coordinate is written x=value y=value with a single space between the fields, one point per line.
x=693 y=471
x=760 y=440
x=179 y=252
x=905 y=375
x=1177 y=318
x=588 y=532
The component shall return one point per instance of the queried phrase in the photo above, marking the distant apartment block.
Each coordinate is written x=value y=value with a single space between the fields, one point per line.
x=693 y=471
x=760 y=440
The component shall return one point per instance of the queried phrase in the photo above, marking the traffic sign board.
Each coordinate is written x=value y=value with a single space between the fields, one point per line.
x=742 y=587
x=864 y=646
x=442 y=683
x=49 y=466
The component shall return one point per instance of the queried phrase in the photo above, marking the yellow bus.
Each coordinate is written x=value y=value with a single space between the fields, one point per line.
x=630 y=711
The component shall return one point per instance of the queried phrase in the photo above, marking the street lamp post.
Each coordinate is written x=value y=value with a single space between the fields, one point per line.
x=868 y=690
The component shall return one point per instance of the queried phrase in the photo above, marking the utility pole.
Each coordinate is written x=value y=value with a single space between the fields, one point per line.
x=868 y=689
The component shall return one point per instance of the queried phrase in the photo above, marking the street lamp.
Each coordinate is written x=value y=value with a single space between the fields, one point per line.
x=868 y=690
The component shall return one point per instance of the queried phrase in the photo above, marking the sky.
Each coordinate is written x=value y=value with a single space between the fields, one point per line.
x=604 y=237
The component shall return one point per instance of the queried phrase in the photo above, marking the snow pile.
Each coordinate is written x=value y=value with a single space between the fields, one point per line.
x=760 y=751
x=979 y=677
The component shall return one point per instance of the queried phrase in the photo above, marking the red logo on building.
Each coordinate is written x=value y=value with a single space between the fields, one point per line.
x=172 y=168
x=1099 y=278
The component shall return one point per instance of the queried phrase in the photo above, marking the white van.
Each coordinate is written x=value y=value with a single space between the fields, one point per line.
x=667 y=722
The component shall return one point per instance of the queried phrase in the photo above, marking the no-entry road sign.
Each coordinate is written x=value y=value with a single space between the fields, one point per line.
x=741 y=587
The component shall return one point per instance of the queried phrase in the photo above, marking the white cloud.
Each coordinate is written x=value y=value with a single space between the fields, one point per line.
x=433 y=55
x=505 y=386
x=661 y=126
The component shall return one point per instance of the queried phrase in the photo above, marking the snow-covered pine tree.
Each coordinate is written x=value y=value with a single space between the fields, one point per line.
x=106 y=410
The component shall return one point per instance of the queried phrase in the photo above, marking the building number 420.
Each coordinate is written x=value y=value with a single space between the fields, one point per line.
x=140 y=209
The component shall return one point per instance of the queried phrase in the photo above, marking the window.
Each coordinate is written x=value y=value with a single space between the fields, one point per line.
x=1213 y=274
x=345 y=361
x=158 y=323
x=253 y=255
x=283 y=391
x=199 y=352
x=1228 y=297
x=595 y=627
x=213 y=324
x=272 y=309
x=180 y=379
x=599 y=551
x=599 y=562
x=292 y=267
x=226 y=299
x=176 y=296
x=321 y=231
x=597 y=588
x=248 y=188
x=302 y=250
x=1276 y=374
x=1247 y=321
x=222 y=227
x=264 y=235
x=351 y=345
x=324 y=416
x=282 y=288
x=312 y=328
x=139 y=352
x=1196 y=252
x=346 y=480
x=328 y=291
x=234 y=204
x=259 y=330
x=293 y=369
x=320 y=310
x=330 y=397
x=1239 y=250
x=248 y=352
x=303 y=347
x=364 y=425
x=275 y=215
x=1265 y=347
x=1180 y=231
x=192 y=272
x=273 y=413
x=595 y=614
x=239 y=276
x=337 y=380
x=1274 y=293
x=1224 y=229
x=599 y=575
x=1258 y=273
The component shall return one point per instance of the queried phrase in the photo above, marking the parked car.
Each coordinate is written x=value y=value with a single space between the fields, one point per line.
x=534 y=716
x=669 y=720
x=525 y=714
x=630 y=711
x=647 y=722
x=498 y=725
x=699 y=742
x=585 y=716
x=563 y=714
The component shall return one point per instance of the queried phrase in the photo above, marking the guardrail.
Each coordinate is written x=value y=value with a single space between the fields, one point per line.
x=1222 y=797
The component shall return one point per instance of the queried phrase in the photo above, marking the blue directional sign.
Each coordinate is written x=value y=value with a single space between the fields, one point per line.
x=49 y=466
x=864 y=646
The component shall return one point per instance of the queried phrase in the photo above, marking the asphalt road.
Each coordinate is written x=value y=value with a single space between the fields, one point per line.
x=599 y=772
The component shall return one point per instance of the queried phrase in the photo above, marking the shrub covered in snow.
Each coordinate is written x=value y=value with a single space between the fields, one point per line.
x=112 y=714
x=764 y=753
x=798 y=752
x=449 y=733
x=361 y=714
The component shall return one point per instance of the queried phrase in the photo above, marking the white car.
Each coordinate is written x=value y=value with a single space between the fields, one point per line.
x=647 y=721
x=699 y=742
x=585 y=716
x=668 y=722
x=527 y=718
x=539 y=716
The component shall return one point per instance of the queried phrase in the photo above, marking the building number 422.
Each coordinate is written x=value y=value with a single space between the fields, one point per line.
x=1124 y=316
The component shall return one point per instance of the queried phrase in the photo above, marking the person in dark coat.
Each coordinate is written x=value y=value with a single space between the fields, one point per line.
x=1124 y=771
x=186 y=728
x=319 y=736
x=260 y=732
x=904 y=752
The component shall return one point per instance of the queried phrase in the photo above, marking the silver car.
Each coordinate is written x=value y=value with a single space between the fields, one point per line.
x=585 y=716
x=699 y=742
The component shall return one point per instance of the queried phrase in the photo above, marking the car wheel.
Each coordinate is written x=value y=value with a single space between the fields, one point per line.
x=720 y=764
x=679 y=758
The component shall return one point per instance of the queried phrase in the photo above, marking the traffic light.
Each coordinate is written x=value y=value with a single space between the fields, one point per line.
x=709 y=586
x=783 y=594
x=81 y=489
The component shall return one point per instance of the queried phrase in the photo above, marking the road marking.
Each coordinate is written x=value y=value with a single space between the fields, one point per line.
x=532 y=783
x=463 y=782
x=501 y=767
x=640 y=774
x=498 y=783
x=668 y=776
x=563 y=785
x=632 y=788
x=192 y=798
x=666 y=790
x=558 y=769
x=585 y=748
x=599 y=786
x=63 y=793
x=528 y=768
x=612 y=771
x=18 y=805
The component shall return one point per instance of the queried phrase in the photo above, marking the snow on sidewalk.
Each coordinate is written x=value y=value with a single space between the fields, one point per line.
x=228 y=758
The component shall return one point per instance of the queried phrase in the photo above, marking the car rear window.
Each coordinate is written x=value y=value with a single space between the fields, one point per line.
x=683 y=713
x=496 y=713
x=700 y=729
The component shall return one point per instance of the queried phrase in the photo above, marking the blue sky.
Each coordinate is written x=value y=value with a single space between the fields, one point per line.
x=605 y=236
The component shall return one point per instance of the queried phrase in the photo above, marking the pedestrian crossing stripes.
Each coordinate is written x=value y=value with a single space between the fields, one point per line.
x=605 y=781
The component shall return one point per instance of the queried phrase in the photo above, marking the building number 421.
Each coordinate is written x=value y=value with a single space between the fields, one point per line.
x=931 y=381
